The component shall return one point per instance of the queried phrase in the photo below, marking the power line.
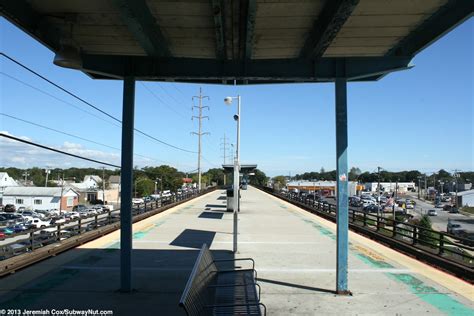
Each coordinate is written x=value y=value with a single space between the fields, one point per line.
x=91 y=105
x=56 y=98
x=78 y=137
x=169 y=94
x=60 y=88
x=161 y=100
x=57 y=150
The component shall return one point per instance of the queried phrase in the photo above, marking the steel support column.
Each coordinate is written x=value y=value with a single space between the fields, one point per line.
x=126 y=184
x=342 y=179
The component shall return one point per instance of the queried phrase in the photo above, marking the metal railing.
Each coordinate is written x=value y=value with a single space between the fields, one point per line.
x=427 y=243
x=28 y=241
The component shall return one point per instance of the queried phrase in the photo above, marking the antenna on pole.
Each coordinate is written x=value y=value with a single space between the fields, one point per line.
x=199 y=133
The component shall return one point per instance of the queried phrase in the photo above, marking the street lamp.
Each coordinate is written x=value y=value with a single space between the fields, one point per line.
x=228 y=101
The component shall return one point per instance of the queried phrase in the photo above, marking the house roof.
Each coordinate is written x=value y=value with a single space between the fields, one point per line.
x=36 y=191
x=82 y=187
x=468 y=192
x=94 y=177
x=250 y=41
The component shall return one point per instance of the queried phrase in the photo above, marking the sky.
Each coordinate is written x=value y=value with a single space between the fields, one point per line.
x=420 y=118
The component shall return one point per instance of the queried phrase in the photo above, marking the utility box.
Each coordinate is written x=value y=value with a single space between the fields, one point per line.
x=230 y=200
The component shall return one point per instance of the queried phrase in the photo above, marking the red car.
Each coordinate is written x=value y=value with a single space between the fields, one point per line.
x=2 y=235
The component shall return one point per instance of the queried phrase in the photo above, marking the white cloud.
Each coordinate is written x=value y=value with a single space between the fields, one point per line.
x=20 y=155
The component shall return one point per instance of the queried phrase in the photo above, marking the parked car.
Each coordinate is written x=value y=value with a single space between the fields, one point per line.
x=79 y=207
x=18 y=228
x=9 y=208
x=7 y=231
x=432 y=213
x=454 y=210
x=453 y=228
x=38 y=223
x=137 y=201
x=2 y=235
x=97 y=202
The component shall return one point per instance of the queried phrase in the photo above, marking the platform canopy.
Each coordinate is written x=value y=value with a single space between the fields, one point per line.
x=250 y=41
x=245 y=168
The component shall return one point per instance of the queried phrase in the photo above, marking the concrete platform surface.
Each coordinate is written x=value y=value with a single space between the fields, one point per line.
x=294 y=251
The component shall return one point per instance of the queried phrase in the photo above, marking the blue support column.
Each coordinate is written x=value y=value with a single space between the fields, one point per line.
x=342 y=217
x=126 y=184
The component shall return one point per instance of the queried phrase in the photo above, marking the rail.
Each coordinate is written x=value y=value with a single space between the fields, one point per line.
x=447 y=251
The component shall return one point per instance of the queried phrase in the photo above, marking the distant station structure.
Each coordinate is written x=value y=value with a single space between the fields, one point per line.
x=236 y=42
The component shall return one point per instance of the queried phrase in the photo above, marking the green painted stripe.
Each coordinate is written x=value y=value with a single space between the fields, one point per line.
x=442 y=301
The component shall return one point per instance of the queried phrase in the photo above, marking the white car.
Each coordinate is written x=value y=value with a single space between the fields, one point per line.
x=38 y=223
x=137 y=201
x=409 y=206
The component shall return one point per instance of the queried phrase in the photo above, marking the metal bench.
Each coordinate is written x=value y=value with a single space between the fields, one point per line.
x=211 y=290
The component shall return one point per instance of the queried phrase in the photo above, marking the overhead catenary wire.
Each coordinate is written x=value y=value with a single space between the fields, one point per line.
x=57 y=150
x=162 y=102
x=78 y=137
x=91 y=105
x=56 y=98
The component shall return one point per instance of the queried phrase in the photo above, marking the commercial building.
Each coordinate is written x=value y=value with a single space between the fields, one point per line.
x=41 y=198
x=403 y=187
x=327 y=188
x=466 y=198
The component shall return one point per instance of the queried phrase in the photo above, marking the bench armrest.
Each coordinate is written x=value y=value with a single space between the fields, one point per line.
x=238 y=270
x=237 y=259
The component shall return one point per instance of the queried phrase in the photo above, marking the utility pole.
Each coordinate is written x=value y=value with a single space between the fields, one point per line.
x=378 y=191
x=224 y=150
x=47 y=170
x=61 y=198
x=199 y=133
x=103 y=185
x=26 y=174
x=425 y=188
x=456 y=175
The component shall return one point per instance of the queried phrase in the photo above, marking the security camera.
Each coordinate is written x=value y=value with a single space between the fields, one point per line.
x=228 y=100
x=236 y=117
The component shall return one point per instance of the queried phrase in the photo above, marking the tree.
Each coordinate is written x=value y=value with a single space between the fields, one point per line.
x=425 y=234
x=144 y=186
x=215 y=175
x=280 y=181
x=260 y=178
x=322 y=170
x=354 y=173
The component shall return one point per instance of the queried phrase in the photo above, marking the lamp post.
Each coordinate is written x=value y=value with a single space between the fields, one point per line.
x=228 y=101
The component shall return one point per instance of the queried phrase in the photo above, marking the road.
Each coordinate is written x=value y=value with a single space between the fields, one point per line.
x=440 y=222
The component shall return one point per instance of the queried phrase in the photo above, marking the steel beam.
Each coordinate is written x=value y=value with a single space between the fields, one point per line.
x=20 y=13
x=444 y=20
x=250 y=28
x=331 y=19
x=219 y=27
x=142 y=24
x=209 y=70
x=342 y=213
x=128 y=113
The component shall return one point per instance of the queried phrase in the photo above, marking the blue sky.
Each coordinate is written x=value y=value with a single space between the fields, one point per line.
x=416 y=119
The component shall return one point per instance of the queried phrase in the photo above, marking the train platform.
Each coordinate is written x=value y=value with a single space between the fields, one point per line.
x=294 y=251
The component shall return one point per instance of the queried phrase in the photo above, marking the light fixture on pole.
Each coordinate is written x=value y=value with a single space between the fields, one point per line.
x=228 y=101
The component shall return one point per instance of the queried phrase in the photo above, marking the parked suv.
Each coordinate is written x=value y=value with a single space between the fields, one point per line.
x=79 y=208
x=9 y=208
